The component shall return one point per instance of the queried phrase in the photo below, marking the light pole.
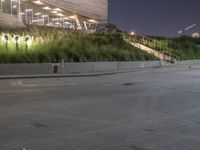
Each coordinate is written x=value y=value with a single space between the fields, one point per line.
x=132 y=36
x=26 y=40
x=6 y=40
x=17 y=44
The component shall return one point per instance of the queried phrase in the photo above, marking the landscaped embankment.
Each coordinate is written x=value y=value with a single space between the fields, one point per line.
x=50 y=45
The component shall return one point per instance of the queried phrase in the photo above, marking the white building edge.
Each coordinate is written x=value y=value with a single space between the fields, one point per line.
x=71 y=14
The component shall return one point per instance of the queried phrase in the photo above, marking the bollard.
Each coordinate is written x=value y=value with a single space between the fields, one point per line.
x=63 y=65
x=55 y=68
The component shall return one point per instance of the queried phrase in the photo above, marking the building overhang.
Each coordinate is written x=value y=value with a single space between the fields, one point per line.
x=58 y=11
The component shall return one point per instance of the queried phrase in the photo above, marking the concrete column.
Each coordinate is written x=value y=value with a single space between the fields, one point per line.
x=78 y=22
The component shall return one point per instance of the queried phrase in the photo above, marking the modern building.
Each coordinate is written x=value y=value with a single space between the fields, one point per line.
x=73 y=14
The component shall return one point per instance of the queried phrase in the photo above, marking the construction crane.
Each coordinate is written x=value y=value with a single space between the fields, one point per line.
x=186 y=29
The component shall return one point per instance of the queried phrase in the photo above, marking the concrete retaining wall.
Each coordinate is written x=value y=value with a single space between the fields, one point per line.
x=87 y=67
x=69 y=68
x=25 y=69
x=188 y=62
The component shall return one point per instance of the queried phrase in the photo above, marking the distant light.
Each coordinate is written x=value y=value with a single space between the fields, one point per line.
x=195 y=35
x=132 y=33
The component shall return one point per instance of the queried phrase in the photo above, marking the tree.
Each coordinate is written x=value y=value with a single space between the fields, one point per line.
x=112 y=28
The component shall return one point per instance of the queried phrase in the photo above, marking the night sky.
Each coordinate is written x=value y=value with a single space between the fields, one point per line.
x=155 y=17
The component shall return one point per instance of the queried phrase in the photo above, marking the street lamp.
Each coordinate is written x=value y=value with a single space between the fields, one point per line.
x=132 y=36
x=132 y=33
x=6 y=40
x=26 y=40
x=16 y=41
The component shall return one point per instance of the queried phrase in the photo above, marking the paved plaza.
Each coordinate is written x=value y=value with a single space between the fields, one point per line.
x=156 y=109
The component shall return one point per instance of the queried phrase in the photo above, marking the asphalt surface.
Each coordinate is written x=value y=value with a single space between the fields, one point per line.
x=146 y=110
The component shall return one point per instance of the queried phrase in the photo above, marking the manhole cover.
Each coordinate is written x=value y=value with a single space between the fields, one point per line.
x=127 y=84
x=137 y=148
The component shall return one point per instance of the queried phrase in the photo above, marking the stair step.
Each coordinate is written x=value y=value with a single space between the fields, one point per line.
x=154 y=52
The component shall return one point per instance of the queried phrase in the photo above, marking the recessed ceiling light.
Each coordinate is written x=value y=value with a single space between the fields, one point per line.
x=55 y=19
x=72 y=17
x=28 y=10
x=58 y=9
x=47 y=8
x=66 y=18
x=92 y=21
x=38 y=2
x=44 y=16
x=21 y=13
x=61 y=15
x=37 y=14
x=67 y=23
x=54 y=12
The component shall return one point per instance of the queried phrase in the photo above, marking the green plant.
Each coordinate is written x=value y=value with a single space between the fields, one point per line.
x=53 y=45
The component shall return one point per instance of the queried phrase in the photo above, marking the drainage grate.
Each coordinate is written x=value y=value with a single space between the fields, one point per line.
x=128 y=84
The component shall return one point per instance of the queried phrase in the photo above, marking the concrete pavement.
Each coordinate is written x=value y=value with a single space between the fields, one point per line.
x=61 y=75
x=145 y=110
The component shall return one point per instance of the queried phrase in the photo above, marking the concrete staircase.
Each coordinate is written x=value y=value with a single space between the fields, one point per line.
x=146 y=44
x=156 y=53
x=10 y=21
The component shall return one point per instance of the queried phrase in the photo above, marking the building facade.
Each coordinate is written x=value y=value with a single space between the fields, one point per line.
x=73 y=14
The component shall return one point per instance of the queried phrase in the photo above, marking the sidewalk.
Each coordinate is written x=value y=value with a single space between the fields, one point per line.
x=170 y=67
x=70 y=75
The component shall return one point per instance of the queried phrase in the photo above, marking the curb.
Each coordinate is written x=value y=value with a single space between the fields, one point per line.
x=178 y=67
x=4 y=77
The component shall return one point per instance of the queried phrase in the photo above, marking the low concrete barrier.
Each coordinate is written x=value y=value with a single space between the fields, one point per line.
x=25 y=69
x=69 y=68
x=188 y=62
x=139 y=64
x=82 y=67
x=87 y=67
